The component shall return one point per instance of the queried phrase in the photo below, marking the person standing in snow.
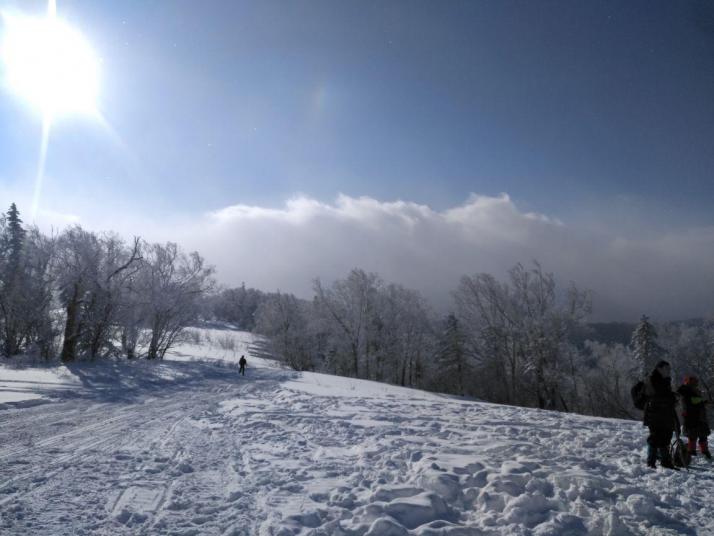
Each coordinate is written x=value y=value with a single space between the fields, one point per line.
x=694 y=415
x=242 y=362
x=660 y=415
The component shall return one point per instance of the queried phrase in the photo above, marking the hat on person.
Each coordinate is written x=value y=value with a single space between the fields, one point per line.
x=690 y=380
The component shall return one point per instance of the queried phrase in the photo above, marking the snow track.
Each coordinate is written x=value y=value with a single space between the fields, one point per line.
x=195 y=449
x=118 y=467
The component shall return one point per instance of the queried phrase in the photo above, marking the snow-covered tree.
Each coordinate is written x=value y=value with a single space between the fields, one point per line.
x=12 y=303
x=283 y=319
x=451 y=359
x=235 y=305
x=77 y=268
x=691 y=347
x=372 y=330
x=644 y=345
x=92 y=271
x=347 y=307
x=606 y=373
x=518 y=330
x=173 y=284
x=93 y=292
x=13 y=239
x=400 y=338
x=358 y=326
x=25 y=291
x=41 y=321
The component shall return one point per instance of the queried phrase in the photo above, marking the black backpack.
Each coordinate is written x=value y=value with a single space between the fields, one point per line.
x=639 y=395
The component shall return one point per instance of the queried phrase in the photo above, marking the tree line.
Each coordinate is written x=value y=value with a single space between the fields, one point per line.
x=521 y=341
x=81 y=294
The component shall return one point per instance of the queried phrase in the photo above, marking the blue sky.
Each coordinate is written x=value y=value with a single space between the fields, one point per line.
x=597 y=114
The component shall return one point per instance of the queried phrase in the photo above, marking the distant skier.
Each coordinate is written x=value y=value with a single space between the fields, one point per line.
x=694 y=415
x=660 y=415
x=242 y=362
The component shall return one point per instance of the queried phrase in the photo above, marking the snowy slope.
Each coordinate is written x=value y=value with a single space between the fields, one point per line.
x=190 y=447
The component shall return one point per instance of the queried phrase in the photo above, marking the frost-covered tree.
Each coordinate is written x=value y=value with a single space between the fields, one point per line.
x=451 y=359
x=92 y=292
x=25 y=286
x=691 y=347
x=400 y=337
x=131 y=317
x=13 y=314
x=92 y=271
x=347 y=307
x=119 y=264
x=173 y=284
x=77 y=267
x=40 y=307
x=644 y=345
x=237 y=306
x=358 y=326
x=518 y=330
x=607 y=376
x=13 y=238
x=283 y=319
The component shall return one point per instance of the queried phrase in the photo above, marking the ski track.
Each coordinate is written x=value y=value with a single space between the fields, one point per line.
x=256 y=456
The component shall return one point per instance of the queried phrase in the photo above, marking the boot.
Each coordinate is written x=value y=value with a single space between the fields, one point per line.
x=704 y=447
x=692 y=446
x=651 y=456
x=666 y=459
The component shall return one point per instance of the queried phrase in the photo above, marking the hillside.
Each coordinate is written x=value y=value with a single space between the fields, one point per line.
x=189 y=447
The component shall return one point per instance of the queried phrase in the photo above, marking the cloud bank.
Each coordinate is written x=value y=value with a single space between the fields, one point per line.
x=667 y=276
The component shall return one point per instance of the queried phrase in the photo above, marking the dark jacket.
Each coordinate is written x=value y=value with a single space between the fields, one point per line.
x=694 y=411
x=660 y=410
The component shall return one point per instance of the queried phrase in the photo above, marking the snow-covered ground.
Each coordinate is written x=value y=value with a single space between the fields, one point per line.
x=24 y=386
x=187 y=446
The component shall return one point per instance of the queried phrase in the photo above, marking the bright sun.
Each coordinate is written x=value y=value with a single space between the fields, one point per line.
x=49 y=64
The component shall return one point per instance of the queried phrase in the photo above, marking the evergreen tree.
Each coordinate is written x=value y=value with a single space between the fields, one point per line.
x=14 y=237
x=644 y=345
x=12 y=300
x=451 y=355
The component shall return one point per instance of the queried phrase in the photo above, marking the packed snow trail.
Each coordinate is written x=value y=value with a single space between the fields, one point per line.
x=121 y=462
x=194 y=448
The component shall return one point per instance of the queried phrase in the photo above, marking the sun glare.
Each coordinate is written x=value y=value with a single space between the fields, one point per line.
x=50 y=65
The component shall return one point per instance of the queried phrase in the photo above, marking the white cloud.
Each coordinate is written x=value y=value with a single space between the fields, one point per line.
x=669 y=276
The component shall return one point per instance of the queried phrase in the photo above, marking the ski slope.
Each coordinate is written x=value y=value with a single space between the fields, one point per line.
x=188 y=447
